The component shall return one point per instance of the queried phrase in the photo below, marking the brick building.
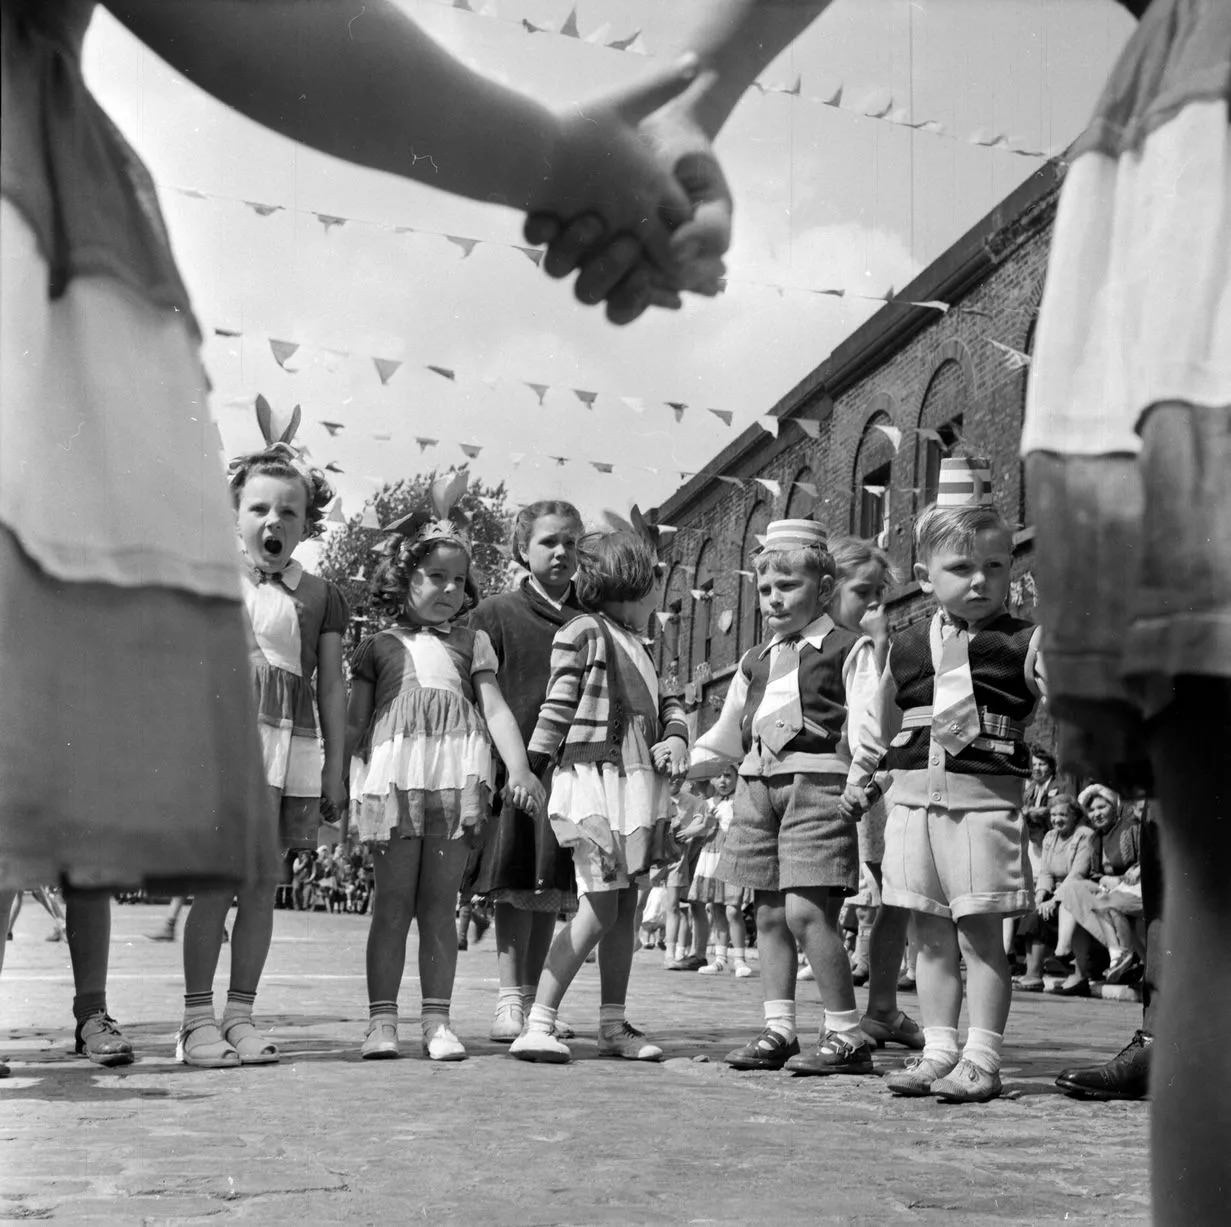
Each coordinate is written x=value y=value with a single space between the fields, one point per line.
x=931 y=377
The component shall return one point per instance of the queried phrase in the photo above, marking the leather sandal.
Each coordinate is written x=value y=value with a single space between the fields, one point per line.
x=254 y=1049
x=101 y=1041
x=200 y=1043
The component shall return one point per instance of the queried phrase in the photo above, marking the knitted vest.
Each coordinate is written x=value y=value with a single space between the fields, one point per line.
x=821 y=690
x=998 y=655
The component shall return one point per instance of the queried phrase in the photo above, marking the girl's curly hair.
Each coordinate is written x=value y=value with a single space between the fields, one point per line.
x=390 y=582
x=618 y=566
x=280 y=460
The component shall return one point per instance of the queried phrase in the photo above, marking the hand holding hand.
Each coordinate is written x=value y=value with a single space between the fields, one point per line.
x=853 y=803
x=526 y=792
x=1047 y=909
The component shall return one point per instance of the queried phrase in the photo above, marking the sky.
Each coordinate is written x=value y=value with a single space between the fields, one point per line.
x=826 y=198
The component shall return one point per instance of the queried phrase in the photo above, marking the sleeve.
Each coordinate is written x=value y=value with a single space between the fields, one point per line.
x=1081 y=862
x=337 y=611
x=363 y=660
x=672 y=717
x=881 y=722
x=572 y=649
x=1047 y=879
x=861 y=682
x=1036 y=669
x=485 y=617
x=723 y=744
x=483 y=658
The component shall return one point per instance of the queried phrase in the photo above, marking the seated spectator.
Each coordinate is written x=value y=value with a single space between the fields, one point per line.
x=301 y=880
x=1067 y=854
x=1037 y=793
x=1100 y=907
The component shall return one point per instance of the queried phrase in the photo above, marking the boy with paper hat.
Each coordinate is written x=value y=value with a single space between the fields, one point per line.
x=949 y=723
x=786 y=722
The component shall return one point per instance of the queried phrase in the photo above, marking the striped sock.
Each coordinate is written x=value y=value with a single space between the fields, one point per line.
x=434 y=1015
x=198 y=1005
x=611 y=1018
x=239 y=1005
x=384 y=1010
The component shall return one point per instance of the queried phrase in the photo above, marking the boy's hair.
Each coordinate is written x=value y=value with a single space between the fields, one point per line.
x=278 y=461
x=1037 y=751
x=814 y=558
x=613 y=567
x=390 y=582
x=851 y=553
x=955 y=528
x=1069 y=802
x=524 y=521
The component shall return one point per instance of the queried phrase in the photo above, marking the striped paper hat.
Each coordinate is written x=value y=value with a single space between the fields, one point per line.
x=793 y=535
x=964 y=482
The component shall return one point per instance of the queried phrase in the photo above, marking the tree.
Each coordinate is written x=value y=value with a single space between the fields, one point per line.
x=350 y=552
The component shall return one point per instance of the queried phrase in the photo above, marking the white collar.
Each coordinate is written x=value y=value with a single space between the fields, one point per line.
x=813 y=634
x=551 y=600
x=288 y=577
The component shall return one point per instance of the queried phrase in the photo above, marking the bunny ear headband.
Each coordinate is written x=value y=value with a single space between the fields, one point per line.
x=442 y=521
x=636 y=524
x=278 y=446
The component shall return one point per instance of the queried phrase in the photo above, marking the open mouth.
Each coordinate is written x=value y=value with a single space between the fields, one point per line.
x=272 y=546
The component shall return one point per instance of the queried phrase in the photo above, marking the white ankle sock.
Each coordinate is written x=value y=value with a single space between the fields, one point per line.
x=983 y=1049
x=780 y=1018
x=940 y=1045
x=541 y=1018
x=510 y=997
x=846 y=1024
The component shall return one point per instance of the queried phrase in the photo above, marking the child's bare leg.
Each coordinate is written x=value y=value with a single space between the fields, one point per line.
x=671 y=924
x=596 y=914
x=396 y=867
x=886 y=948
x=203 y=939
x=1066 y=924
x=988 y=988
x=1191 y=1116
x=812 y=917
x=721 y=932
x=737 y=934
x=441 y=865
x=700 y=929
x=775 y=947
x=512 y=937
x=937 y=970
x=615 y=950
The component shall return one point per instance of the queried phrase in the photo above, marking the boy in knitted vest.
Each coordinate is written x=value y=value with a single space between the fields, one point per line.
x=949 y=720
x=786 y=721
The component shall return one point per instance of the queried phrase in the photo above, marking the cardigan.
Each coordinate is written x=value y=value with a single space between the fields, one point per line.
x=582 y=720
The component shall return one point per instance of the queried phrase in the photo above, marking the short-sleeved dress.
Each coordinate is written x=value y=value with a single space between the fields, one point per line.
x=707 y=886
x=289 y=613
x=430 y=765
x=128 y=746
x=616 y=816
x=1128 y=408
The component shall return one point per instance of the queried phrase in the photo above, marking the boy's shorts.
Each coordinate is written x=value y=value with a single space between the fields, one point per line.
x=788 y=832
x=957 y=864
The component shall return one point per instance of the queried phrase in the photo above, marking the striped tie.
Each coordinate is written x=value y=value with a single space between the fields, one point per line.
x=955 y=715
x=780 y=714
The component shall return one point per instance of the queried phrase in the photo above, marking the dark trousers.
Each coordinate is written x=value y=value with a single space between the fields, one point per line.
x=1152 y=915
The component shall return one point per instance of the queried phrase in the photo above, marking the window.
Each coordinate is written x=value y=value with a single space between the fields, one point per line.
x=873 y=511
x=873 y=477
x=801 y=501
x=748 y=607
x=930 y=456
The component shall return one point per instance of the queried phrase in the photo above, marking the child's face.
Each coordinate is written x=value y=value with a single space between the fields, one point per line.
x=860 y=591
x=438 y=585
x=792 y=598
x=273 y=519
x=724 y=785
x=1063 y=819
x=551 y=552
x=970 y=584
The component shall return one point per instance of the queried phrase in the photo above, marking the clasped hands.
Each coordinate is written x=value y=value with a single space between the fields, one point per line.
x=634 y=200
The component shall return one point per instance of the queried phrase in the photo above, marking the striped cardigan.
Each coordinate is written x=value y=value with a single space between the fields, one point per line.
x=582 y=719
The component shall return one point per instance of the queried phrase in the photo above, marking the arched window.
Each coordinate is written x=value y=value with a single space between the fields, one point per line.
x=873 y=476
x=701 y=640
x=748 y=608
x=801 y=500
x=668 y=638
x=941 y=419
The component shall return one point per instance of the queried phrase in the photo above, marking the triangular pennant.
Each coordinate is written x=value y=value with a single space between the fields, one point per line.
x=386 y=368
x=725 y=416
x=192 y=193
x=531 y=28
x=726 y=620
x=539 y=389
x=832 y=293
x=666 y=530
x=747 y=574
x=732 y=481
x=334 y=515
x=809 y=427
x=698 y=594
x=1014 y=357
x=686 y=476
x=677 y=407
x=796 y=89
x=834 y=99
x=602 y=466
x=892 y=433
x=569 y=28
x=227 y=332
x=586 y=398
x=934 y=303
x=623 y=44
x=262 y=210
x=597 y=35
x=769 y=424
x=369 y=519
x=664 y=616
x=775 y=488
x=334 y=468
x=283 y=351
x=470 y=449
x=332 y=427
x=329 y=220
x=466 y=245
x=560 y=460
x=809 y=488
x=874 y=490
x=926 y=432
x=533 y=254
x=425 y=443
x=443 y=371
x=464 y=5
x=879 y=112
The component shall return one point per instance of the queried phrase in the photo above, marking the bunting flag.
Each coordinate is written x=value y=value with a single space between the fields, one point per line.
x=725 y=416
x=926 y=432
x=227 y=332
x=775 y=488
x=809 y=427
x=386 y=368
x=261 y=210
x=539 y=389
x=602 y=466
x=731 y=481
x=332 y=427
x=665 y=530
x=443 y=371
x=700 y=594
x=283 y=351
x=424 y=443
x=726 y=620
x=561 y=461
x=329 y=220
x=892 y=433
x=875 y=490
x=664 y=616
x=471 y=449
x=334 y=468
x=677 y=407
x=586 y=398
x=747 y=574
x=1014 y=358
x=466 y=244
x=569 y=28
x=533 y=254
x=334 y=515
x=769 y=424
x=807 y=487
x=369 y=519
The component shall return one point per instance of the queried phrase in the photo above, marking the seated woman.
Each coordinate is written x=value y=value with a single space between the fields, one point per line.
x=1067 y=855
x=1098 y=909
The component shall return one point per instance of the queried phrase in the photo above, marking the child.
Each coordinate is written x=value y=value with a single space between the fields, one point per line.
x=952 y=707
x=727 y=901
x=521 y=868
x=613 y=737
x=687 y=926
x=786 y=715
x=297 y=623
x=864 y=571
x=426 y=705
